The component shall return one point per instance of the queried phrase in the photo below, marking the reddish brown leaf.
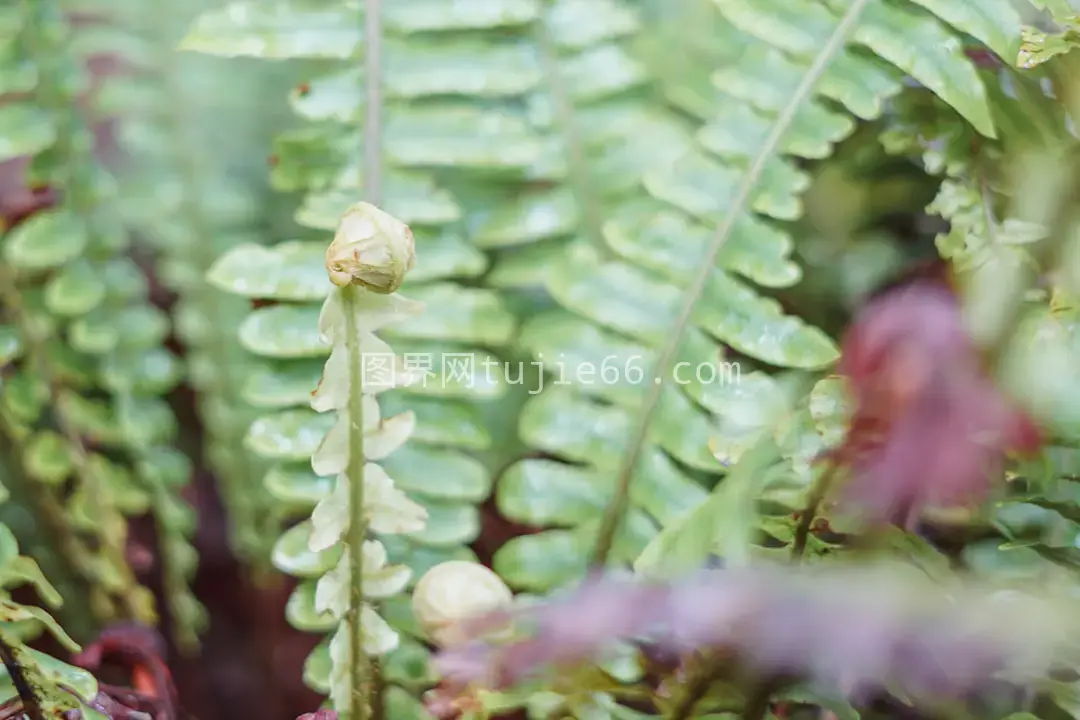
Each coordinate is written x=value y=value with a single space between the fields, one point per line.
x=930 y=426
x=141 y=650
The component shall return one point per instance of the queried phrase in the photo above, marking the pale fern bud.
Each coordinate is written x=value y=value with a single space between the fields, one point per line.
x=454 y=591
x=371 y=249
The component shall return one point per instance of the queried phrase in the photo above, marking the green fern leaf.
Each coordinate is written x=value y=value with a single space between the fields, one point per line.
x=619 y=287
x=275 y=30
x=995 y=23
x=809 y=64
x=87 y=400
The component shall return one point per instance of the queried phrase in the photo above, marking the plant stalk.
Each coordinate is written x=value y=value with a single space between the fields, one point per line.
x=372 y=180
x=360 y=698
x=806 y=520
x=365 y=698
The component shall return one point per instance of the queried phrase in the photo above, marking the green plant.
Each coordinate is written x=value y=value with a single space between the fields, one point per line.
x=637 y=231
x=83 y=398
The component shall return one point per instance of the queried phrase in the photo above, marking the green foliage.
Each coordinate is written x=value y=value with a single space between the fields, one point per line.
x=1040 y=45
x=452 y=337
x=655 y=256
x=731 y=194
x=620 y=212
x=76 y=396
x=364 y=498
x=20 y=624
x=83 y=400
x=148 y=106
x=90 y=438
x=68 y=402
x=323 y=160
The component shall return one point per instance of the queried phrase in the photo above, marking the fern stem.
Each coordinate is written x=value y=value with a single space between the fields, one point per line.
x=575 y=147
x=806 y=521
x=359 y=667
x=362 y=669
x=757 y=703
x=709 y=668
x=617 y=508
x=372 y=181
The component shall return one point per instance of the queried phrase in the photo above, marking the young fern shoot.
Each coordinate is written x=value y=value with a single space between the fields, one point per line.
x=366 y=262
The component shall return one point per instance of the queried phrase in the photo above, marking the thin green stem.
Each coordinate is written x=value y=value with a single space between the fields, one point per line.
x=359 y=670
x=708 y=670
x=378 y=684
x=617 y=508
x=806 y=521
x=362 y=670
x=584 y=193
x=759 y=699
x=372 y=180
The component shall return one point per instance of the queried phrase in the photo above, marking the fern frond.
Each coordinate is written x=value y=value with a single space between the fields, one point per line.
x=619 y=293
x=990 y=241
x=856 y=82
x=178 y=163
x=54 y=686
x=432 y=80
x=160 y=175
x=666 y=290
x=366 y=262
x=41 y=453
x=108 y=426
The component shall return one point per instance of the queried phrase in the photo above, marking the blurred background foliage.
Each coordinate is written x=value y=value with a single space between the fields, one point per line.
x=172 y=172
